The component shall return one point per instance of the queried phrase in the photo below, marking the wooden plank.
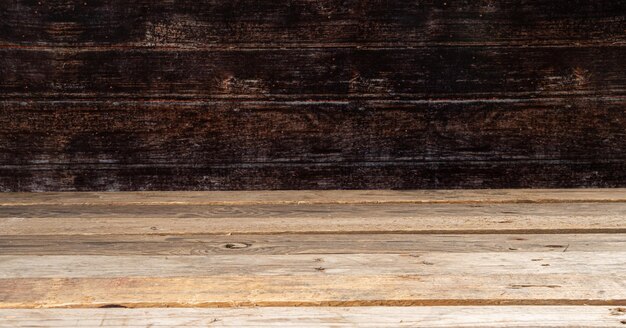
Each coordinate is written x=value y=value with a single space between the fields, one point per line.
x=237 y=133
x=121 y=245
x=332 y=218
x=331 y=175
x=318 y=289
x=442 y=73
x=135 y=146
x=300 y=94
x=301 y=23
x=440 y=316
x=315 y=265
x=311 y=197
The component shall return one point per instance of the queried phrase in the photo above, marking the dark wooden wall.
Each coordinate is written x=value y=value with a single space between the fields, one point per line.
x=292 y=94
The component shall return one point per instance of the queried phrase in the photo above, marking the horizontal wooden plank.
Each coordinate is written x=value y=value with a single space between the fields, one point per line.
x=419 y=73
x=603 y=288
x=120 y=245
x=156 y=269
x=440 y=316
x=50 y=133
x=305 y=244
x=321 y=23
x=332 y=175
x=303 y=197
x=283 y=145
x=331 y=218
x=291 y=95
x=313 y=265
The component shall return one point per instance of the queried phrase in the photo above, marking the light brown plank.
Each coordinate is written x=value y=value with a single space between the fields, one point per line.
x=306 y=244
x=319 y=290
x=442 y=316
x=424 y=264
x=316 y=279
x=334 y=218
x=316 y=197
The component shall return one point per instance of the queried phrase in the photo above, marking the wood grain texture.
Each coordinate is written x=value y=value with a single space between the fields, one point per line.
x=301 y=23
x=269 y=249
x=603 y=288
x=358 y=175
x=375 y=243
x=156 y=146
x=302 y=266
x=313 y=197
x=152 y=146
x=336 y=218
x=375 y=317
x=300 y=94
x=388 y=73
x=181 y=133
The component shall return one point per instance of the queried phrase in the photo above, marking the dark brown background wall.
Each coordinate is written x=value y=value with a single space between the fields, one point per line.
x=291 y=94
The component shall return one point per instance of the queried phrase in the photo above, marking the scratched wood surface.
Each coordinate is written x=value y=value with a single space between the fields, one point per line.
x=320 y=218
x=473 y=258
x=297 y=23
x=312 y=248
x=300 y=94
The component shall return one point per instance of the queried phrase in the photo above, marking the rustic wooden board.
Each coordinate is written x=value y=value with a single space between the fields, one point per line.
x=332 y=175
x=557 y=131
x=440 y=316
x=276 y=244
x=301 y=267
x=602 y=288
x=284 y=23
x=312 y=197
x=441 y=73
x=320 y=218
x=300 y=94
x=181 y=145
x=261 y=249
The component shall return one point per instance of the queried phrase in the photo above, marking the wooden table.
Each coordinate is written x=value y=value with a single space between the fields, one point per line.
x=490 y=258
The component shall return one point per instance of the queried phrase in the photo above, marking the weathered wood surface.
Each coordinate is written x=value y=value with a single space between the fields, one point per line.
x=321 y=218
x=301 y=175
x=311 y=197
x=279 y=244
x=300 y=23
x=320 y=248
x=375 y=317
x=299 y=94
x=603 y=288
x=301 y=267
x=79 y=134
x=440 y=73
